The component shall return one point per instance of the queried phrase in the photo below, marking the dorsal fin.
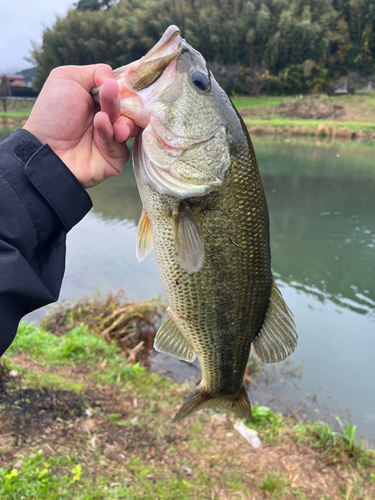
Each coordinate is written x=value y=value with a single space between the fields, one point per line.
x=277 y=338
x=144 y=237
x=188 y=239
x=170 y=340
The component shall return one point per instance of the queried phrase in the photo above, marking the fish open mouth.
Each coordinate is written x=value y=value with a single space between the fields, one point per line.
x=147 y=70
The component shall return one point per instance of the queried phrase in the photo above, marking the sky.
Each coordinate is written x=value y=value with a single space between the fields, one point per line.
x=22 y=21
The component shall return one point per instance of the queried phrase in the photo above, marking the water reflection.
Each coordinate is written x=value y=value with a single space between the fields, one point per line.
x=321 y=203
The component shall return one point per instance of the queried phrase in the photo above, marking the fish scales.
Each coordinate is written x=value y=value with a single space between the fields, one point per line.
x=225 y=302
x=205 y=214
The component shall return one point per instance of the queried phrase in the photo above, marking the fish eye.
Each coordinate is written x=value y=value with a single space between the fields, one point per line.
x=200 y=80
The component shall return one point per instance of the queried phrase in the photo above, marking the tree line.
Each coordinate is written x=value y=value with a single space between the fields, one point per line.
x=278 y=46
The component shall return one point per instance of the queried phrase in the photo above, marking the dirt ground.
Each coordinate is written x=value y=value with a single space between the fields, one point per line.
x=205 y=451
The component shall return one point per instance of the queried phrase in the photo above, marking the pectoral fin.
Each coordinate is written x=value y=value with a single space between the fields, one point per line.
x=188 y=238
x=170 y=340
x=144 y=237
x=277 y=337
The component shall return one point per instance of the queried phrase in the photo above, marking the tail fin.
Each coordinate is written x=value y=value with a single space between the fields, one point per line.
x=199 y=399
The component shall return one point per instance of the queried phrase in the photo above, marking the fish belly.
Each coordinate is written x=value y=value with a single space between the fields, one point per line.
x=220 y=309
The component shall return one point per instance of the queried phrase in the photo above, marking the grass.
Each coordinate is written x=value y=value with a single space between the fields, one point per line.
x=17 y=113
x=291 y=122
x=132 y=325
x=344 y=116
x=274 y=484
x=336 y=447
x=22 y=115
x=244 y=102
x=78 y=347
x=80 y=421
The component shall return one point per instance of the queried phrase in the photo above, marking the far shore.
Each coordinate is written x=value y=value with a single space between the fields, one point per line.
x=347 y=117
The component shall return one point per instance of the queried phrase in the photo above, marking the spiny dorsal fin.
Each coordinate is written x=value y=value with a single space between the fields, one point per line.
x=170 y=340
x=277 y=337
x=144 y=237
x=188 y=238
x=199 y=399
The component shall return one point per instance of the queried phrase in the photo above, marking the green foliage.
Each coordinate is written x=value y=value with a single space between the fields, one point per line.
x=262 y=414
x=249 y=43
x=334 y=445
x=77 y=346
x=274 y=484
x=266 y=422
x=294 y=79
x=37 y=478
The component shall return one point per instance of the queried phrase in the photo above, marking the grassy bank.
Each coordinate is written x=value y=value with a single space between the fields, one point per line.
x=79 y=419
x=17 y=114
x=350 y=117
x=346 y=117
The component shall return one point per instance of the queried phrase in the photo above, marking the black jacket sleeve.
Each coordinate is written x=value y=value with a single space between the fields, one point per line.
x=40 y=201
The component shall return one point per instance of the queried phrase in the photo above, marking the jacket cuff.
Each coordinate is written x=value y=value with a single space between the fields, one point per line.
x=52 y=179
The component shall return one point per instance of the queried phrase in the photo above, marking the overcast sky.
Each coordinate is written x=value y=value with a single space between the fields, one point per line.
x=22 y=21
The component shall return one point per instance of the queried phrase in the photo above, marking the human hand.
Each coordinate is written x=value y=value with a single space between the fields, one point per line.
x=90 y=142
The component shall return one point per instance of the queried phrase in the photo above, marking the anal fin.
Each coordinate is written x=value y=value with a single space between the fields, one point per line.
x=277 y=338
x=199 y=399
x=170 y=340
x=144 y=237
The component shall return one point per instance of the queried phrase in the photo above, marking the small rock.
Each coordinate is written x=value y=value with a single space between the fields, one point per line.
x=134 y=421
x=122 y=456
x=188 y=471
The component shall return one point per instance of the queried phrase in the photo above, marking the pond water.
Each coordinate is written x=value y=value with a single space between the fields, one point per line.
x=321 y=199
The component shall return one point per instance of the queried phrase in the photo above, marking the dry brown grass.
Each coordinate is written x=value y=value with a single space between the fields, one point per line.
x=133 y=325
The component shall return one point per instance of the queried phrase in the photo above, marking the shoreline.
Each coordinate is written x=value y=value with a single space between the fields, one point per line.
x=263 y=392
x=321 y=131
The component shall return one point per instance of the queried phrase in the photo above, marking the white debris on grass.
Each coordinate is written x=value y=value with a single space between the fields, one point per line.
x=134 y=421
x=250 y=435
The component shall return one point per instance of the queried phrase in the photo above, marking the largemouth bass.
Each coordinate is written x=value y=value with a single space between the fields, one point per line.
x=205 y=214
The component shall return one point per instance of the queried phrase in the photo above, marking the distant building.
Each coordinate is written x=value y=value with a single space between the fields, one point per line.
x=14 y=80
x=343 y=88
x=366 y=90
